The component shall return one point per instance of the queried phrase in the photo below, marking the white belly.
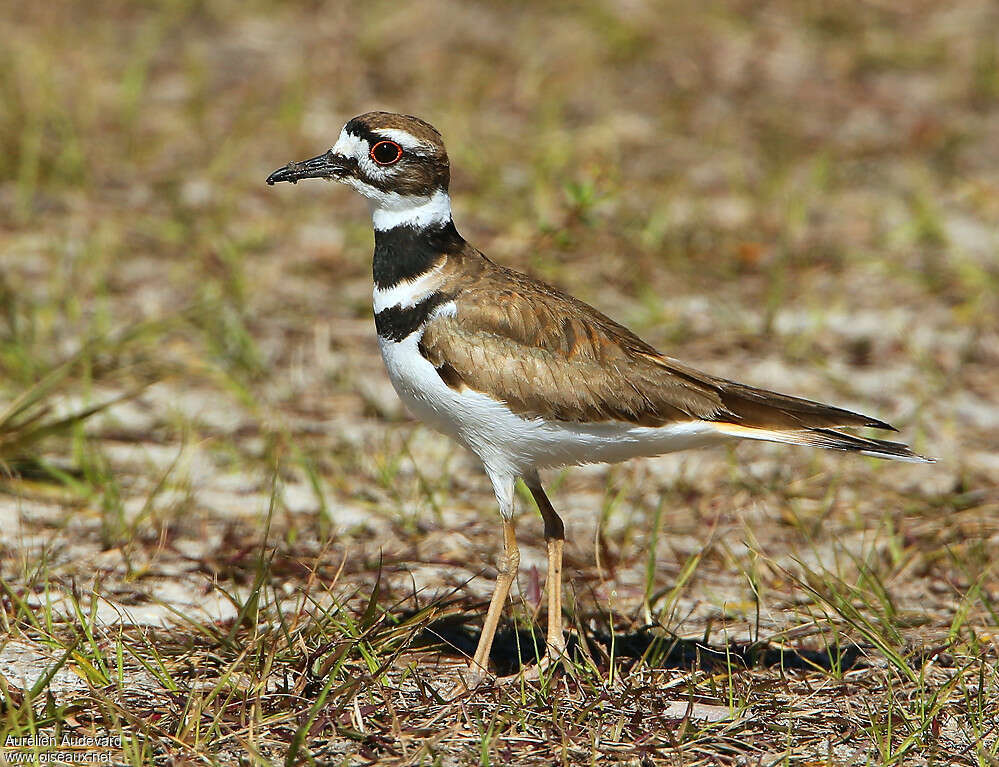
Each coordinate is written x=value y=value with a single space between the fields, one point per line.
x=508 y=442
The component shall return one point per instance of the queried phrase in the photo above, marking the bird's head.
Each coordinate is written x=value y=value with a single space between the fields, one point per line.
x=397 y=161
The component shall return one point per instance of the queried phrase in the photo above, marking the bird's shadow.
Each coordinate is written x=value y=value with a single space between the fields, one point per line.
x=514 y=649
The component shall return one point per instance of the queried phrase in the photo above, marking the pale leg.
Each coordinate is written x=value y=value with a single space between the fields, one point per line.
x=508 y=564
x=555 y=541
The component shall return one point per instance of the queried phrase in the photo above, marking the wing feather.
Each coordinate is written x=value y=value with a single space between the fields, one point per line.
x=543 y=352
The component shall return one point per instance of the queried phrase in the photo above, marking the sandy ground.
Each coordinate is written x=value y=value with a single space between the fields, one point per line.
x=798 y=198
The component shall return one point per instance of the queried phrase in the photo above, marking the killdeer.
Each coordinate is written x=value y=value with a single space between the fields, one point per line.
x=522 y=374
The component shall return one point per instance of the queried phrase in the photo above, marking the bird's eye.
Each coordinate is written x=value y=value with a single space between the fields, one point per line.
x=386 y=152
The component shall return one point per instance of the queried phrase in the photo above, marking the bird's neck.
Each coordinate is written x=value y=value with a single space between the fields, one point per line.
x=415 y=245
x=392 y=210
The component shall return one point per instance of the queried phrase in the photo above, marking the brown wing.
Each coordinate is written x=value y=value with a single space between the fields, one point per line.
x=543 y=352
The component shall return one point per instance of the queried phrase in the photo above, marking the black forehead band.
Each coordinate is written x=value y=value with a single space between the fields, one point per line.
x=357 y=128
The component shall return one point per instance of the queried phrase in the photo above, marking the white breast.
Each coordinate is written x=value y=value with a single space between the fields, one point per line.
x=507 y=442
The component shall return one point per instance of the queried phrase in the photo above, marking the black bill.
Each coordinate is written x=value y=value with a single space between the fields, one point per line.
x=326 y=165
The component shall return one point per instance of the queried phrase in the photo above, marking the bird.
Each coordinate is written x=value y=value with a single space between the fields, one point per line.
x=523 y=374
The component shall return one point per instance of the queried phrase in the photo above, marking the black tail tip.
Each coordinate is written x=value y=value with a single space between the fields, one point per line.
x=876 y=448
x=874 y=423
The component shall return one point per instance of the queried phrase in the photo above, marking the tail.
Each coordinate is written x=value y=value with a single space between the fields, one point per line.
x=827 y=438
x=752 y=413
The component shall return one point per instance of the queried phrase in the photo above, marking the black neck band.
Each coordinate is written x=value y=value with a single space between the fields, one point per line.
x=404 y=252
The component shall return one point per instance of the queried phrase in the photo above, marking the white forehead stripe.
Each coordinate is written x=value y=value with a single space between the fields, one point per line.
x=350 y=145
x=405 y=140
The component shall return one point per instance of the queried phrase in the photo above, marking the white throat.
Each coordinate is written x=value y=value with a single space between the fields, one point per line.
x=389 y=210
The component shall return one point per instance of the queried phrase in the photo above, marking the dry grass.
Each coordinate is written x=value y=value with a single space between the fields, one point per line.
x=222 y=540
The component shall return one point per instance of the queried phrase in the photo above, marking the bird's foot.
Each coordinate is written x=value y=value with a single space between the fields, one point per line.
x=543 y=670
x=475 y=677
x=470 y=679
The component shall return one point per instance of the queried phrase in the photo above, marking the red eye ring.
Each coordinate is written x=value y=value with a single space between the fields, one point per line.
x=386 y=153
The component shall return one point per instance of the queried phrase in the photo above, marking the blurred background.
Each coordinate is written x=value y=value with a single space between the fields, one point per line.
x=800 y=195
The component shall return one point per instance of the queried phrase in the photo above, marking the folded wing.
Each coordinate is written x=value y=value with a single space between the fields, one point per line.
x=545 y=353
